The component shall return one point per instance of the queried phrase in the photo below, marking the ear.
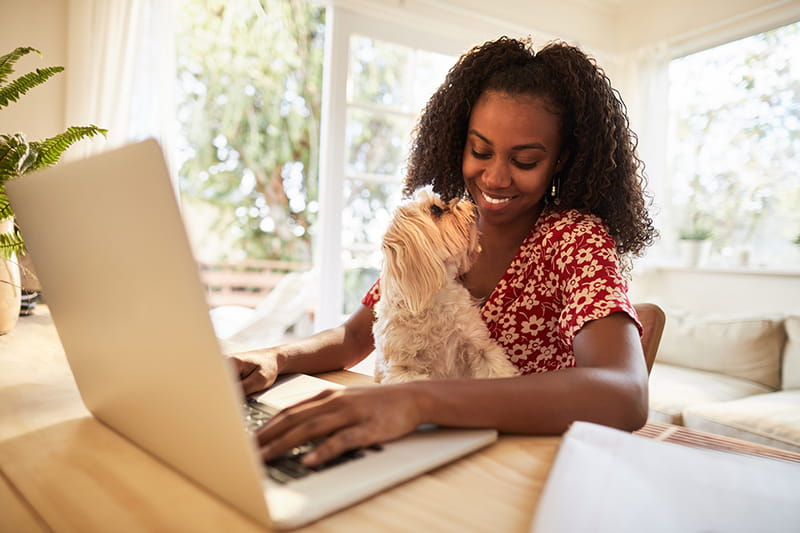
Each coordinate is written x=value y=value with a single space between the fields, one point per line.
x=411 y=272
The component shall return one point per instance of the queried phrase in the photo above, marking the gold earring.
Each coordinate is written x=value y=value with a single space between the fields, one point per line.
x=553 y=195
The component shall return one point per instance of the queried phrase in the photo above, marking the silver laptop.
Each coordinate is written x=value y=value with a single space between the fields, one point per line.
x=110 y=249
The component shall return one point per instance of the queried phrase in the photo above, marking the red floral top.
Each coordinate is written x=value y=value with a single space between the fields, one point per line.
x=565 y=274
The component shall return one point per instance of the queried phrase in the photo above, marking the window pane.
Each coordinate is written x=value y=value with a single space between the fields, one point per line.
x=388 y=84
x=379 y=73
x=377 y=142
x=367 y=212
x=734 y=147
x=429 y=73
x=368 y=209
x=249 y=105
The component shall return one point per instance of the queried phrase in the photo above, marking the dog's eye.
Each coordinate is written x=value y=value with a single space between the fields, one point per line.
x=436 y=210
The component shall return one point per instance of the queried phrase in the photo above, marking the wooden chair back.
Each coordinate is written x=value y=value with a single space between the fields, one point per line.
x=653 y=319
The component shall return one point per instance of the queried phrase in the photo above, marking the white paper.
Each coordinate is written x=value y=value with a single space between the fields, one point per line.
x=606 y=480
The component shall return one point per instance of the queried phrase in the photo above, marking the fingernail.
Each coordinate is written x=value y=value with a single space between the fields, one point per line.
x=310 y=459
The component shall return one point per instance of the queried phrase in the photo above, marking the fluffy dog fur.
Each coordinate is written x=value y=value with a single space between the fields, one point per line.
x=428 y=325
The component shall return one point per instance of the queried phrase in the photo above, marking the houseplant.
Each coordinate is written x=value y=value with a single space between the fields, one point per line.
x=19 y=156
x=695 y=241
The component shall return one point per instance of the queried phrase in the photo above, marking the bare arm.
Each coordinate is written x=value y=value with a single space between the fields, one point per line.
x=608 y=386
x=332 y=349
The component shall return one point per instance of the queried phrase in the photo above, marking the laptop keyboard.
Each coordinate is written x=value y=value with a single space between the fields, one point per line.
x=289 y=466
x=256 y=414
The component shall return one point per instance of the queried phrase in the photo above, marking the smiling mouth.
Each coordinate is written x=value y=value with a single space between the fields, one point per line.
x=495 y=201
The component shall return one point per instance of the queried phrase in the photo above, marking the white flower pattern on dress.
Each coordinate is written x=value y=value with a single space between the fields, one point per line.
x=575 y=278
x=565 y=274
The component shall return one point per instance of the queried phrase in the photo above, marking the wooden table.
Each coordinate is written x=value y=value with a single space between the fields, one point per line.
x=62 y=470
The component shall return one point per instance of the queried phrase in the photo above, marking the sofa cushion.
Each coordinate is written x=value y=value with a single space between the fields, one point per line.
x=674 y=388
x=790 y=378
x=772 y=419
x=746 y=348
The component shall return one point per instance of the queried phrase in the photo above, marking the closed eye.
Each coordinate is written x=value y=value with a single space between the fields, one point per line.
x=526 y=166
x=480 y=155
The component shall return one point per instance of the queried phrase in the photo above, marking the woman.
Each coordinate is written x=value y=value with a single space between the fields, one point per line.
x=540 y=142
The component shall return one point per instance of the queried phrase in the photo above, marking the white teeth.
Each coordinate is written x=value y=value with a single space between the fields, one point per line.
x=494 y=201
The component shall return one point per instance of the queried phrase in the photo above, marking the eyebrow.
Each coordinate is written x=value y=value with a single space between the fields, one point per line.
x=534 y=146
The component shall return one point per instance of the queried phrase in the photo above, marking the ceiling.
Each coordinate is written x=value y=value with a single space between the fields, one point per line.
x=611 y=28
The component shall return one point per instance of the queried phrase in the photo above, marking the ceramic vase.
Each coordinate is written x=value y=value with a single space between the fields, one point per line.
x=10 y=282
x=695 y=253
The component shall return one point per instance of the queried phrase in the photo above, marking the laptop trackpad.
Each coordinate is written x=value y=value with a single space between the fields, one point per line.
x=290 y=389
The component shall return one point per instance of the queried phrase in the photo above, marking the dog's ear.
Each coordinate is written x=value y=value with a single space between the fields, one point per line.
x=412 y=272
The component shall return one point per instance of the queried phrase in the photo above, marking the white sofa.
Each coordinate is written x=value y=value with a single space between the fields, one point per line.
x=738 y=377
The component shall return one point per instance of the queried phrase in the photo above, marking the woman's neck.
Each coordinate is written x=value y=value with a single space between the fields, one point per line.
x=507 y=237
x=499 y=247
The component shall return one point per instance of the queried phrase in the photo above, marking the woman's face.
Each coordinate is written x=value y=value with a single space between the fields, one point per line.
x=512 y=150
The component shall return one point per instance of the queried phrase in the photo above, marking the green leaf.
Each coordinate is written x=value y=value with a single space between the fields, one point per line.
x=5 y=205
x=18 y=156
x=49 y=150
x=7 y=61
x=11 y=243
x=12 y=92
x=15 y=156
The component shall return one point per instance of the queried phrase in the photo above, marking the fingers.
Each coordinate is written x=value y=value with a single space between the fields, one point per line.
x=305 y=421
x=239 y=366
x=311 y=420
x=340 y=420
x=251 y=379
x=342 y=441
x=320 y=426
x=254 y=374
x=253 y=382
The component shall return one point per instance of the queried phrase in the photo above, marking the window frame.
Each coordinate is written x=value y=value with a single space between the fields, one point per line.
x=651 y=117
x=341 y=24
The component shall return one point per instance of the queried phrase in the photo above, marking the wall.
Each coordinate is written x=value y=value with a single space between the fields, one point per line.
x=720 y=292
x=41 y=24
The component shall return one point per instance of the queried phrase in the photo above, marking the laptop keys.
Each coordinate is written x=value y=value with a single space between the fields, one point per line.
x=289 y=466
x=256 y=414
x=284 y=469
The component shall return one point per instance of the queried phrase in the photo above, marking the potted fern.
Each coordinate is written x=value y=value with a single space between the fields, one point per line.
x=19 y=156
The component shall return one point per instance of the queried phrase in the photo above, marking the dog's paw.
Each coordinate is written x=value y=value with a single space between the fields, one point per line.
x=402 y=376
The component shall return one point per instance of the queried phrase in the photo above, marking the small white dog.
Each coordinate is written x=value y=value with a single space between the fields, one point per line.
x=428 y=325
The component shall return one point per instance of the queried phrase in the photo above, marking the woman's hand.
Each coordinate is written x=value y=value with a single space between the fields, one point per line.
x=332 y=349
x=346 y=419
x=256 y=369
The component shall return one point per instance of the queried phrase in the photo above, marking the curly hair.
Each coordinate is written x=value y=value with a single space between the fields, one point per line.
x=602 y=174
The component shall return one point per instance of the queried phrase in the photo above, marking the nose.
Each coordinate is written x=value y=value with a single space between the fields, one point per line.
x=496 y=174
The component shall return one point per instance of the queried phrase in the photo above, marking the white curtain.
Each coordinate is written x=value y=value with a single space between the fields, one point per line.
x=121 y=73
x=645 y=90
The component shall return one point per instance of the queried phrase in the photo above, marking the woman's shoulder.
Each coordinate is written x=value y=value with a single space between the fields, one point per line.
x=571 y=222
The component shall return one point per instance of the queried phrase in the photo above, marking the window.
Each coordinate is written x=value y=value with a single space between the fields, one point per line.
x=734 y=147
x=379 y=74
x=387 y=85
x=249 y=97
x=296 y=119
